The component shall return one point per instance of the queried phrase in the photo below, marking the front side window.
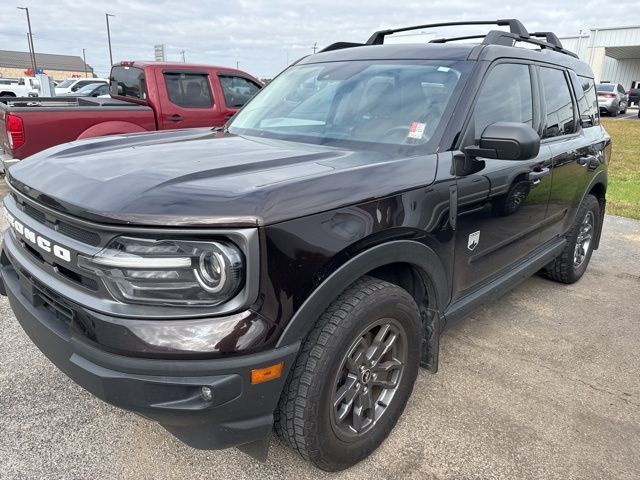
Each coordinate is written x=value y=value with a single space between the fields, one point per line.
x=128 y=82
x=505 y=96
x=353 y=103
x=237 y=90
x=188 y=90
x=559 y=105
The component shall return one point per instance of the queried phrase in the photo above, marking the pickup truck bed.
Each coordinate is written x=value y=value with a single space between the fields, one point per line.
x=75 y=118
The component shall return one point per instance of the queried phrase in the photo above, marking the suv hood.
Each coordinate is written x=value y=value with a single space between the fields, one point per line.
x=200 y=177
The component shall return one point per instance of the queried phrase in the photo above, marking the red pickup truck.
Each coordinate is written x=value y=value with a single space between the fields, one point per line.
x=145 y=96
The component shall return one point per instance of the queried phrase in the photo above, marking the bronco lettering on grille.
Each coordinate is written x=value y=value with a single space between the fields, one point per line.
x=36 y=239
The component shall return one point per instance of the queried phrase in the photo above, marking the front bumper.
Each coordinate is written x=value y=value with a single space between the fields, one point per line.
x=167 y=391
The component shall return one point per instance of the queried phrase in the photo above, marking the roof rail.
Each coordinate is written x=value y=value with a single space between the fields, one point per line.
x=453 y=39
x=340 y=46
x=497 y=37
x=515 y=27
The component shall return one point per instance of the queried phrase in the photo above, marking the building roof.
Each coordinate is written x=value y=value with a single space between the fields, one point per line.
x=46 y=61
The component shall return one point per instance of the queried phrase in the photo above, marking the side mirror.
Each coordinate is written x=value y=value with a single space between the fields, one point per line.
x=506 y=141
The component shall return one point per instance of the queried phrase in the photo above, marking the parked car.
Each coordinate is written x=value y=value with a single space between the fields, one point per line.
x=297 y=266
x=72 y=85
x=22 y=87
x=612 y=99
x=146 y=96
x=91 y=90
x=634 y=96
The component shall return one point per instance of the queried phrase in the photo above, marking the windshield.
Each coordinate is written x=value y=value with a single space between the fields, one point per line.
x=66 y=83
x=605 y=87
x=383 y=102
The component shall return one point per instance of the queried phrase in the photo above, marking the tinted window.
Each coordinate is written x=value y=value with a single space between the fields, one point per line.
x=189 y=90
x=585 y=91
x=237 y=90
x=605 y=87
x=505 y=96
x=559 y=106
x=128 y=82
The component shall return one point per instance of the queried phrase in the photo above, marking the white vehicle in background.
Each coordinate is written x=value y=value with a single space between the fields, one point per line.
x=72 y=85
x=22 y=87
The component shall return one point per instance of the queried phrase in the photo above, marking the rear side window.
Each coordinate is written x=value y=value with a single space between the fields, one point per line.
x=128 y=82
x=585 y=90
x=505 y=96
x=237 y=90
x=188 y=90
x=559 y=106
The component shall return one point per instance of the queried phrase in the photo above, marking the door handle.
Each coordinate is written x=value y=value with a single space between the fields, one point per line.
x=536 y=176
x=175 y=118
x=586 y=160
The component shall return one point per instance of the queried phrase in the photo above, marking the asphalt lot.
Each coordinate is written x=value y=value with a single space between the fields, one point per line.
x=541 y=384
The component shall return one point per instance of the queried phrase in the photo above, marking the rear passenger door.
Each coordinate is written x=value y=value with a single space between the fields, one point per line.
x=188 y=101
x=576 y=141
x=573 y=141
x=502 y=204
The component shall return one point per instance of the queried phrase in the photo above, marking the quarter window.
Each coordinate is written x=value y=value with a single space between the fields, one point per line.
x=188 y=90
x=237 y=90
x=559 y=106
x=505 y=96
x=585 y=90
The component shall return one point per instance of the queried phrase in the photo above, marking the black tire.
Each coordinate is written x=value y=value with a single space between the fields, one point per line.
x=564 y=268
x=614 y=113
x=306 y=417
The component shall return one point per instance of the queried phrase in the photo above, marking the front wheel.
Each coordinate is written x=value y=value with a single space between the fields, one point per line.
x=353 y=376
x=572 y=263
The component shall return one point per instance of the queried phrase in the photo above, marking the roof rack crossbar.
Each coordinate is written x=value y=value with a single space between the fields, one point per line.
x=515 y=27
x=497 y=37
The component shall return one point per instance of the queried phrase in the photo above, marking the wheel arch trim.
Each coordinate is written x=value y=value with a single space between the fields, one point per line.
x=399 y=251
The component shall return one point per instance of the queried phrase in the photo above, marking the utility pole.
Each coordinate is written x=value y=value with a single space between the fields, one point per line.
x=237 y=65
x=84 y=60
x=315 y=47
x=107 y=15
x=32 y=50
x=183 y=59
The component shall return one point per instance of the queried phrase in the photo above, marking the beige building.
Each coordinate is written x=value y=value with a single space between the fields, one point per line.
x=59 y=67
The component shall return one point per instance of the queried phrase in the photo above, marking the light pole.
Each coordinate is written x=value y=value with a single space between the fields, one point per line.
x=107 y=15
x=84 y=60
x=31 y=47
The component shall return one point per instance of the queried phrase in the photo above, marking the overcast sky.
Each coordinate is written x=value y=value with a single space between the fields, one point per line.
x=263 y=35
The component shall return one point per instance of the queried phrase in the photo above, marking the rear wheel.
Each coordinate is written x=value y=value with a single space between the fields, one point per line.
x=614 y=112
x=353 y=377
x=572 y=263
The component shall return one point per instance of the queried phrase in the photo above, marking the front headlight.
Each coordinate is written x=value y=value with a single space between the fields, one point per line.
x=169 y=272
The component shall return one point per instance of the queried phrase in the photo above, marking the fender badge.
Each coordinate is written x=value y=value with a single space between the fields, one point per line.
x=474 y=240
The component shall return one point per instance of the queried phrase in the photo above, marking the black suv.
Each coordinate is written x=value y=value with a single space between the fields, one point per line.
x=295 y=268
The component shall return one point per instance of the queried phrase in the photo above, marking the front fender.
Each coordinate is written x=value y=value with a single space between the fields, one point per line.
x=398 y=251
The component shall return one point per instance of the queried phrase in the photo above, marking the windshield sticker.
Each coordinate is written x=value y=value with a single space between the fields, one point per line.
x=416 y=130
